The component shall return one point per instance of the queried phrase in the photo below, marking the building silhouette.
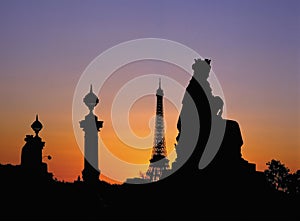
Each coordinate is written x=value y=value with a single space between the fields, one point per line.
x=32 y=165
x=32 y=169
x=91 y=126
x=158 y=162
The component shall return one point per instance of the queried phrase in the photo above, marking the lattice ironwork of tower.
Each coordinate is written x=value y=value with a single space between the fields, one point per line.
x=158 y=162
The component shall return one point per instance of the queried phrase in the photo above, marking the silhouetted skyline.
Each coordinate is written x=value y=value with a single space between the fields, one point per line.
x=233 y=155
x=47 y=45
x=229 y=175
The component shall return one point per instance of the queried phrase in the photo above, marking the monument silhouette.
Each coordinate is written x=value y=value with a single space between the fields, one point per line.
x=210 y=179
x=227 y=187
x=31 y=156
x=195 y=115
x=225 y=154
x=91 y=126
x=158 y=162
x=229 y=155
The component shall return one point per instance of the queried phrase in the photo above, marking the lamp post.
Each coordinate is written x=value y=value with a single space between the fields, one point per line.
x=48 y=157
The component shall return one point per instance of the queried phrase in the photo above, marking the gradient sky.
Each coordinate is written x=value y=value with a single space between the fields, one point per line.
x=46 y=45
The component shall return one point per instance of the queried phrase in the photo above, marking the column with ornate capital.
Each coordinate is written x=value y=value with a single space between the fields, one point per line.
x=91 y=126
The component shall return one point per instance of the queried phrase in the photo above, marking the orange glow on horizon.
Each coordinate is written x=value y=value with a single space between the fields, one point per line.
x=263 y=139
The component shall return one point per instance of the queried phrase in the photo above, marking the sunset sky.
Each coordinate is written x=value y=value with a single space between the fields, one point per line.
x=45 y=46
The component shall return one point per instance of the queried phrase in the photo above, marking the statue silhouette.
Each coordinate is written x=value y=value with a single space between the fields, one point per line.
x=205 y=140
x=228 y=156
x=194 y=122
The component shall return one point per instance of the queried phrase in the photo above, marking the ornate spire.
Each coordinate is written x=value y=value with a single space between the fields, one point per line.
x=91 y=100
x=36 y=125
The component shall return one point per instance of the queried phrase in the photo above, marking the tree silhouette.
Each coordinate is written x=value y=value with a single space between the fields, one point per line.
x=293 y=184
x=277 y=175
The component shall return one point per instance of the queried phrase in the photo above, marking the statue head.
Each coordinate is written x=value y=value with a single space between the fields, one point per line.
x=202 y=68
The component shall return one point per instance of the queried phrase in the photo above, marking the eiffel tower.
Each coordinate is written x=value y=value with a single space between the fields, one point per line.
x=158 y=162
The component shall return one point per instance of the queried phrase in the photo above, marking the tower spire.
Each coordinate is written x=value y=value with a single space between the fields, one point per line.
x=159 y=91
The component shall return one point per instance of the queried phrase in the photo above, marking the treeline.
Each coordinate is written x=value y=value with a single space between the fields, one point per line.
x=281 y=178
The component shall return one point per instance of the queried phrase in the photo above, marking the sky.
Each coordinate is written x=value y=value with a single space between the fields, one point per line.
x=47 y=45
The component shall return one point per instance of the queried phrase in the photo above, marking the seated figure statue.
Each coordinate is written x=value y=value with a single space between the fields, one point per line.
x=205 y=140
x=229 y=153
